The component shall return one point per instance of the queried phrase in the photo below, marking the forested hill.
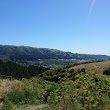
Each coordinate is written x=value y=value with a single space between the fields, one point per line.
x=30 y=53
x=18 y=71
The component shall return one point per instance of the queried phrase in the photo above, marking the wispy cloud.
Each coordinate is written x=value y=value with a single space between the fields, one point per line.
x=90 y=11
x=92 y=7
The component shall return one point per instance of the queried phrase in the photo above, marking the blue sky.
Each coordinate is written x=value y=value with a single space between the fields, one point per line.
x=79 y=26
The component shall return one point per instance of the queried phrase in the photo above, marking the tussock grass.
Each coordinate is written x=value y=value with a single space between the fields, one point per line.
x=97 y=67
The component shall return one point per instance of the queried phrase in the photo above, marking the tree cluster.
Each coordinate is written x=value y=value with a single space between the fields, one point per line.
x=18 y=71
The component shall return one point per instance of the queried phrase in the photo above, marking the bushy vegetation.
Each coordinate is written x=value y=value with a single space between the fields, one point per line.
x=20 y=97
x=57 y=74
x=107 y=72
x=85 y=92
x=61 y=89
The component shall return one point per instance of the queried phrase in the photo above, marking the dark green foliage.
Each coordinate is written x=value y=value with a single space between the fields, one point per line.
x=19 y=97
x=17 y=71
x=59 y=73
x=16 y=96
x=81 y=70
x=7 y=105
x=30 y=97
x=55 y=74
x=106 y=72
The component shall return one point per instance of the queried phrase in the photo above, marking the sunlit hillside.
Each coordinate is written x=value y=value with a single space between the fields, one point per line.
x=95 y=67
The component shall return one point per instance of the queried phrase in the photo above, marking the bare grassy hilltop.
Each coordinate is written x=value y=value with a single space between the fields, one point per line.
x=96 y=67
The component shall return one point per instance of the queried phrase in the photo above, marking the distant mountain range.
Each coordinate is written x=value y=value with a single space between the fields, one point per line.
x=31 y=53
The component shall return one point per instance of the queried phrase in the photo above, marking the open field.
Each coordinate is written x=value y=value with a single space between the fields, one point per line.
x=97 y=67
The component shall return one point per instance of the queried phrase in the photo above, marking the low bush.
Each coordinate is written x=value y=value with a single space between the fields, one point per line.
x=19 y=97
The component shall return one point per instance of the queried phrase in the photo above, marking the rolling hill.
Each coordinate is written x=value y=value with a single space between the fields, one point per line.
x=70 y=71
x=31 y=53
x=95 y=67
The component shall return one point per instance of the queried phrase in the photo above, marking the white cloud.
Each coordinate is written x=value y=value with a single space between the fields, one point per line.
x=92 y=7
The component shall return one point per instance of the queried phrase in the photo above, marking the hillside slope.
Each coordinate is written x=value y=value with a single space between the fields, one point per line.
x=61 y=88
x=96 y=67
x=30 y=53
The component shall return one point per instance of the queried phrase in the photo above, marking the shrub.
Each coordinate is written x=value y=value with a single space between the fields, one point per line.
x=16 y=96
x=7 y=105
x=29 y=96
x=19 y=97
x=106 y=72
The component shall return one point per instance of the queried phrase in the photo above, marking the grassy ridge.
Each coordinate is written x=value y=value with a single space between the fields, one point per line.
x=94 y=67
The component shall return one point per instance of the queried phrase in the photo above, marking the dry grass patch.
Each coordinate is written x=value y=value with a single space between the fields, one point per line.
x=35 y=107
x=6 y=85
x=97 y=67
